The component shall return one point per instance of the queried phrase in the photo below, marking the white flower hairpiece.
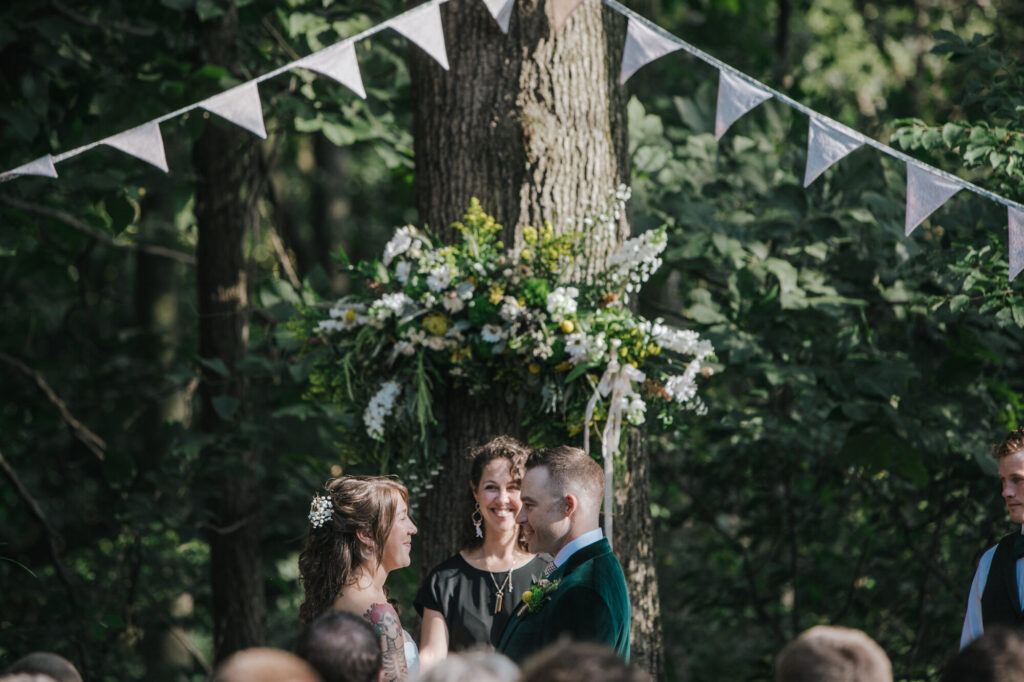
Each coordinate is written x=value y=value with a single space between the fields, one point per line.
x=320 y=511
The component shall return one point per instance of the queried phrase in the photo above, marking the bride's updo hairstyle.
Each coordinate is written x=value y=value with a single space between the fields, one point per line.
x=333 y=551
x=502 y=447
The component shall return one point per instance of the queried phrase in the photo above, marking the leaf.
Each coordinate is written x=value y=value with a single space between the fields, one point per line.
x=121 y=211
x=952 y=134
x=215 y=365
x=208 y=9
x=225 y=405
x=958 y=303
x=579 y=370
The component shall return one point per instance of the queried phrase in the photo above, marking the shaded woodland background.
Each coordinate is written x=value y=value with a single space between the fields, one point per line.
x=840 y=476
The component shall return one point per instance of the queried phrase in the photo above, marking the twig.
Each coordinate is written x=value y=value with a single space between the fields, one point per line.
x=228 y=530
x=94 y=443
x=279 y=39
x=75 y=223
x=53 y=537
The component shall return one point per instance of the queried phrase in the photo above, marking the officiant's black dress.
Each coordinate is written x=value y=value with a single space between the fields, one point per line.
x=465 y=596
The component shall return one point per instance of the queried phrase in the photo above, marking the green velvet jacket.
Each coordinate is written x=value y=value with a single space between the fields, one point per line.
x=590 y=604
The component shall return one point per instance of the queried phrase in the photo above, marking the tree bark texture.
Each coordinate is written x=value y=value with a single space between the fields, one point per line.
x=532 y=124
x=223 y=159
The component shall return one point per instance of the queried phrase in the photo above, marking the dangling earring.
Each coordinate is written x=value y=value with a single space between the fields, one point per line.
x=477 y=519
x=366 y=552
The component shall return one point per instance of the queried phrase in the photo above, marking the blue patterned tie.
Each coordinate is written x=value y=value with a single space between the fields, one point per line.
x=549 y=568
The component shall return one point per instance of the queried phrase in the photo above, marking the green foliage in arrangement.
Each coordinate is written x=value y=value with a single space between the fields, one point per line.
x=475 y=315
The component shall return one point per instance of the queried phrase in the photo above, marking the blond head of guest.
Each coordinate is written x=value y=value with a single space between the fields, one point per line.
x=261 y=664
x=828 y=653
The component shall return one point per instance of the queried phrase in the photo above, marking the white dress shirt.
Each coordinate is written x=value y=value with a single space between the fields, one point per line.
x=973 y=626
x=577 y=544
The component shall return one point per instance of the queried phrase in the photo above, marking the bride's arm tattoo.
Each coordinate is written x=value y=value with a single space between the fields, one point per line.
x=384 y=620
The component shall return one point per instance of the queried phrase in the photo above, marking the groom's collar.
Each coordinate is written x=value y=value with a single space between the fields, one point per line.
x=577 y=544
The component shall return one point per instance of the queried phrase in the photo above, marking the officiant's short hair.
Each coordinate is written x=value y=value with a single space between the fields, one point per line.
x=565 y=463
x=827 y=653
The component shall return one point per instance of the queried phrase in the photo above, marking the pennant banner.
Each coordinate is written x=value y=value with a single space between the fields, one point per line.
x=423 y=27
x=43 y=166
x=926 y=191
x=240 y=105
x=501 y=10
x=143 y=142
x=1016 y=220
x=643 y=46
x=337 y=62
x=826 y=144
x=735 y=98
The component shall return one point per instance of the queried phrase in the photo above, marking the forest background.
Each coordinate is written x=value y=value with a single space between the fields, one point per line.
x=841 y=475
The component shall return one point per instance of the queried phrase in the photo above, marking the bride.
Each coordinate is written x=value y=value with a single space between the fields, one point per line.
x=359 y=532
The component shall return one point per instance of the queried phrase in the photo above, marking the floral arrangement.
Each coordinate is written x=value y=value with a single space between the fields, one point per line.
x=538 y=593
x=478 y=315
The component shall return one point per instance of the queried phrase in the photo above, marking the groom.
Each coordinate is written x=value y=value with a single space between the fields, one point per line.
x=561 y=495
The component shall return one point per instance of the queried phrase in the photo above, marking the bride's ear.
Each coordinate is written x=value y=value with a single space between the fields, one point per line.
x=364 y=538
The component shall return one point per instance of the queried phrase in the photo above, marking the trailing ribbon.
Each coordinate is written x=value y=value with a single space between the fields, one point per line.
x=617 y=385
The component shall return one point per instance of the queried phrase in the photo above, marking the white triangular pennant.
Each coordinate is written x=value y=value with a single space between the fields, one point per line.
x=143 y=142
x=735 y=98
x=501 y=10
x=422 y=26
x=826 y=143
x=1016 y=234
x=337 y=62
x=42 y=166
x=240 y=105
x=643 y=46
x=926 y=191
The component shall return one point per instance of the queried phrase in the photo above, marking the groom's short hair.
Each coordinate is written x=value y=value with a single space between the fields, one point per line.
x=570 y=469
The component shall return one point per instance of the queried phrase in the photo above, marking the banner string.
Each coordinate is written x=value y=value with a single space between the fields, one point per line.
x=864 y=139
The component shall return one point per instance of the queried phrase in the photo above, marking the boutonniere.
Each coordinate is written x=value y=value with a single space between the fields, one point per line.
x=538 y=593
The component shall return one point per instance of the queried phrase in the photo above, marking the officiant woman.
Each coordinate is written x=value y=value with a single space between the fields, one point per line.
x=467 y=599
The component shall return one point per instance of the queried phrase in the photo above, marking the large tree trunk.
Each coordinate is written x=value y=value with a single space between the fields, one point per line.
x=533 y=125
x=222 y=158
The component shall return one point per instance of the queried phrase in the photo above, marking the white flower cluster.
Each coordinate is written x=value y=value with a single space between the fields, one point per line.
x=562 y=303
x=380 y=407
x=320 y=511
x=605 y=219
x=510 y=309
x=636 y=259
x=405 y=239
x=584 y=349
x=682 y=341
x=343 y=317
x=492 y=333
x=439 y=278
x=389 y=305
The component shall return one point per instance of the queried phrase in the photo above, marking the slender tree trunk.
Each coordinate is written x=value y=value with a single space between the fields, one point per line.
x=532 y=124
x=223 y=157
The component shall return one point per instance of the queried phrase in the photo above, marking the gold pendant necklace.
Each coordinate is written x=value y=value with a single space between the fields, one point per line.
x=500 y=589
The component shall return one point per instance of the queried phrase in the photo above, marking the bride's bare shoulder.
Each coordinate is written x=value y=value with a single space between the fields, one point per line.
x=355 y=601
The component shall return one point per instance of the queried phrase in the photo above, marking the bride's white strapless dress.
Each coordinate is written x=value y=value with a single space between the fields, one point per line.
x=412 y=654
